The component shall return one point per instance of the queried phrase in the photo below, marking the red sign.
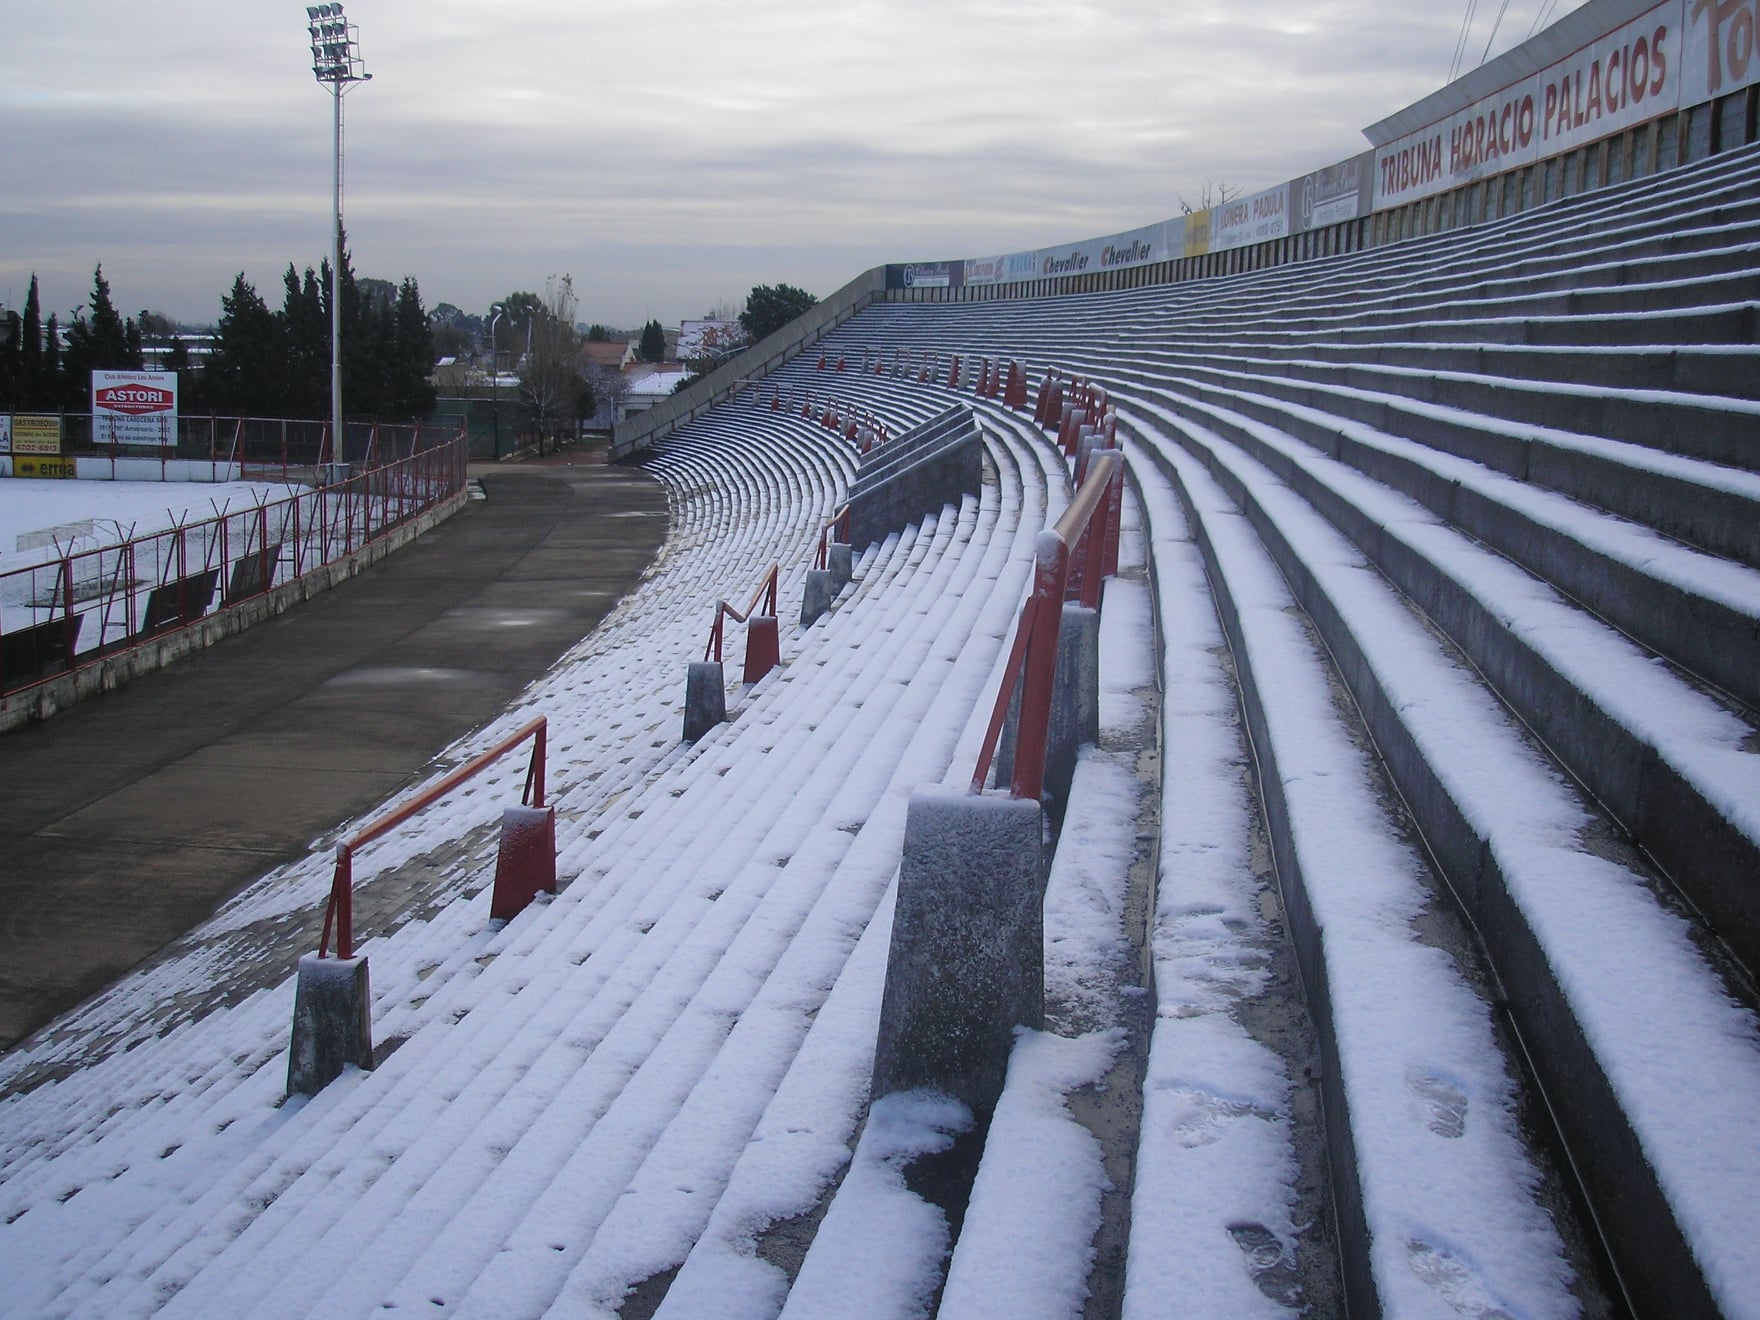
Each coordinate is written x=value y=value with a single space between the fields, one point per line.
x=136 y=400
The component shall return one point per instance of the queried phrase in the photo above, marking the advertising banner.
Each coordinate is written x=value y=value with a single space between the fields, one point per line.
x=928 y=275
x=1196 y=234
x=1333 y=195
x=987 y=270
x=24 y=465
x=36 y=433
x=1134 y=247
x=1256 y=219
x=1622 y=78
x=1719 y=55
x=134 y=407
x=5 y=433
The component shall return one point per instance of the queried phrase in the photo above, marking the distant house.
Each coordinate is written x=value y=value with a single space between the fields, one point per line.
x=650 y=385
x=612 y=355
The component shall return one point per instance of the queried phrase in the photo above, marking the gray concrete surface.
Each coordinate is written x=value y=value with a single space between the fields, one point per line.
x=129 y=818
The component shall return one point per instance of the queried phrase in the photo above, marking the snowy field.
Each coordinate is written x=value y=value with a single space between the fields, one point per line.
x=36 y=515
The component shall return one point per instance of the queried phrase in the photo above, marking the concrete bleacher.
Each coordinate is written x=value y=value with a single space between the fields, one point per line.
x=1519 y=588
x=1428 y=706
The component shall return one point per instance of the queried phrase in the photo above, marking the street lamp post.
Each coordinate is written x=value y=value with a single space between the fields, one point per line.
x=336 y=64
x=495 y=377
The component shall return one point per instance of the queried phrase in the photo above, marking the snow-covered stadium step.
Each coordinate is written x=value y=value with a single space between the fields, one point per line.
x=1605 y=983
x=1427 y=1159
x=1673 y=766
x=409 y=1048
x=1700 y=610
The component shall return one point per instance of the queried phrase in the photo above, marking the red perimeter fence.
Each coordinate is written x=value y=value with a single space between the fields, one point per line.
x=79 y=603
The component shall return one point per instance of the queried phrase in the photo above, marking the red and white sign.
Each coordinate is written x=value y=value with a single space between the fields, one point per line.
x=134 y=407
x=1624 y=77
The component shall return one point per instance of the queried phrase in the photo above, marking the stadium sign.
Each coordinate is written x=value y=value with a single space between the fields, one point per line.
x=36 y=433
x=134 y=407
x=1616 y=80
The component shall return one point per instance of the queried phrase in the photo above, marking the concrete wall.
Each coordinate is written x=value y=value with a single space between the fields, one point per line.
x=916 y=478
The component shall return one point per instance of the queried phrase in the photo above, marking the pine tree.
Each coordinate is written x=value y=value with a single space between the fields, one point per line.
x=101 y=343
x=652 y=347
x=246 y=367
x=412 y=354
x=306 y=328
x=35 y=388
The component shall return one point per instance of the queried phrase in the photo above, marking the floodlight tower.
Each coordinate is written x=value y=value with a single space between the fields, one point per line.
x=336 y=64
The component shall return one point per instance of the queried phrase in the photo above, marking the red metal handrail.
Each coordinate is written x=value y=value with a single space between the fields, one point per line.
x=838 y=522
x=78 y=608
x=766 y=591
x=340 y=908
x=1083 y=538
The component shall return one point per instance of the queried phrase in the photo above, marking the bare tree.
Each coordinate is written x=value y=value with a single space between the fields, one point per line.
x=553 y=391
x=1213 y=194
x=610 y=389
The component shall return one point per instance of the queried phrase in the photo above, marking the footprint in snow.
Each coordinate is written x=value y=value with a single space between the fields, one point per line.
x=1454 y=1281
x=1445 y=1104
x=1269 y=1262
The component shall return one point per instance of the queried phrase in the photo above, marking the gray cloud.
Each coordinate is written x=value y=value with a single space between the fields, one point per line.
x=669 y=154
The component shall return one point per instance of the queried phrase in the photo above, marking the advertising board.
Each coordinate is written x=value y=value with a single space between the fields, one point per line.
x=36 y=433
x=1333 y=195
x=1256 y=219
x=1619 y=79
x=134 y=407
x=29 y=465
x=928 y=275
x=5 y=433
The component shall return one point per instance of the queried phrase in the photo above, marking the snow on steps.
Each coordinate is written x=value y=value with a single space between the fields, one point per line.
x=1618 y=991
x=699 y=941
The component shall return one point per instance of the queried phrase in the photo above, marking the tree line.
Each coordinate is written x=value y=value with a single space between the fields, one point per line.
x=261 y=362
x=275 y=362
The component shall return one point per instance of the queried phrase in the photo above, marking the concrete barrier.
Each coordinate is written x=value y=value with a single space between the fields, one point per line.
x=525 y=863
x=816 y=595
x=705 y=699
x=917 y=475
x=332 y=1022
x=840 y=563
x=967 y=961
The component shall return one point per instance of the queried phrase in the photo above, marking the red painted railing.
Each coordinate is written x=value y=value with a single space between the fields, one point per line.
x=77 y=607
x=339 y=912
x=1072 y=557
x=838 y=523
x=766 y=593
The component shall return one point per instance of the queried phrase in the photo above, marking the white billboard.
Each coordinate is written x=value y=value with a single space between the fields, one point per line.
x=134 y=407
x=1619 y=79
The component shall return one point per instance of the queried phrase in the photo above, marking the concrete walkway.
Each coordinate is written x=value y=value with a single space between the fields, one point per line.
x=129 y=818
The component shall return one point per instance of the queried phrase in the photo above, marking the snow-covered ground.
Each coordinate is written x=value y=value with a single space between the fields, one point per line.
x=39 y=519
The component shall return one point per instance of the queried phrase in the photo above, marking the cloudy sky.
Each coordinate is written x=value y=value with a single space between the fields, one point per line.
x=669 y=154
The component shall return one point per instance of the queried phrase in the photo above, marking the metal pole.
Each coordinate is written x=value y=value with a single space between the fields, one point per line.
x=336 y=437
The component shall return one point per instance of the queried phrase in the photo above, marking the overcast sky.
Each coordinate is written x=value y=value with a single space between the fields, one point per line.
x=669 y=154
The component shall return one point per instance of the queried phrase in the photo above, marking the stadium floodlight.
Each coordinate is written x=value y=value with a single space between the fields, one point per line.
x=336 y=64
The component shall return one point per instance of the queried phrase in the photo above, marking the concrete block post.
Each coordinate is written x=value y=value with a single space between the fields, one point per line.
x=525 y=862
x=332 y=1022
x=840 y=562
x=816 y=596
x=763 y=646
x=1075 y=702
x=967 y=962
x=705 y=699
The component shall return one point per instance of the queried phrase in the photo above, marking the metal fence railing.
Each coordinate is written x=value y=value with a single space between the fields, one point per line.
x=78 y=604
